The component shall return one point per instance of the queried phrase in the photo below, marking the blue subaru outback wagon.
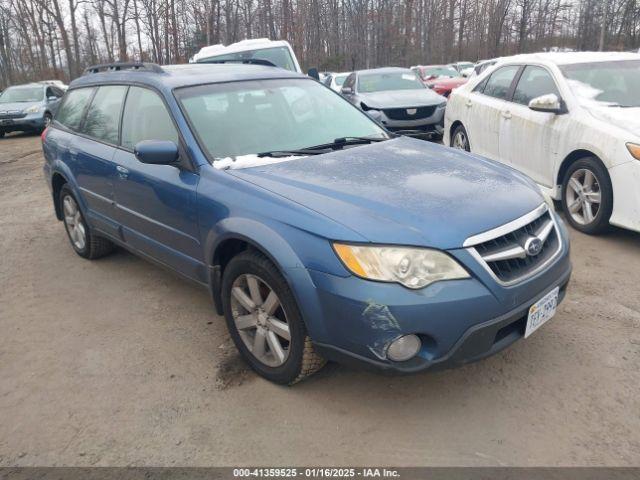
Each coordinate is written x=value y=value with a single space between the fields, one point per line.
x=319 y=235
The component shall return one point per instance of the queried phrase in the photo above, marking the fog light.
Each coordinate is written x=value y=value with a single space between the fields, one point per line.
x=403 y=348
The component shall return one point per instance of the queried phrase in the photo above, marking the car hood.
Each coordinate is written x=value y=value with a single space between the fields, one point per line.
x=403 y=191
x=626 y=118
x=422 y=97
x=16 y=106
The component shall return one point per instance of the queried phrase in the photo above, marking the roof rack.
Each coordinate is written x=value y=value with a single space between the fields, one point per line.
x=246 y=61
x=115 y=67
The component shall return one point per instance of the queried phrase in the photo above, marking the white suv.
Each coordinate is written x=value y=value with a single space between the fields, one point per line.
x=571 y=121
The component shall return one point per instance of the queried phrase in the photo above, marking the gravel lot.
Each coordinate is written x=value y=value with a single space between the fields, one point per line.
x=118 y=362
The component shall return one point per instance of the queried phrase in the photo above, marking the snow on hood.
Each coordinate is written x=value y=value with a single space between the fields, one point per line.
x=251 y=160
x=625 y=118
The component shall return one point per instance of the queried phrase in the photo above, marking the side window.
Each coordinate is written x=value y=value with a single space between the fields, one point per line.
x=500 y=81
x=350 y=82
x=146 y=118
x=50 y=93
x=480 y=87
x=534 y=82
x=72 y=108
x=103 y=117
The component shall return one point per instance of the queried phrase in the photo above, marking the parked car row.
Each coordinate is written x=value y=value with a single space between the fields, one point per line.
x=319 y=234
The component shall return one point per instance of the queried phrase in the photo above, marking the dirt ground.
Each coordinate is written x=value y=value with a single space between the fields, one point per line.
x=118 y=362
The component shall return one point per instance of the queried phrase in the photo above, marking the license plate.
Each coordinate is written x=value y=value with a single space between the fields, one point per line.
x=541 y=311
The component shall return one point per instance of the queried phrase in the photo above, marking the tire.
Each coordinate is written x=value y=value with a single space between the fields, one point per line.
x=47 y=120
x=2 y=133
x=573 y=203
x=301 y=360
x=91 y=246
x=460 y=139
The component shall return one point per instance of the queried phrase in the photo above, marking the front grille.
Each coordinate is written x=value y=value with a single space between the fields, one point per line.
x=10 y=114
x=403 y=114
x=506 y=256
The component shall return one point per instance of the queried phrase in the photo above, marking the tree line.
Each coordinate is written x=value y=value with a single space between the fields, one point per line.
x=46 y=39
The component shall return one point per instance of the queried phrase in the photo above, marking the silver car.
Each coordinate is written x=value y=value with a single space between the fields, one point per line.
x=397 y=99
x=28 y=108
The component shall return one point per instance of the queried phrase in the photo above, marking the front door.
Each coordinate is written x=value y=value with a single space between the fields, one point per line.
x=529 y=139
x=156 y=204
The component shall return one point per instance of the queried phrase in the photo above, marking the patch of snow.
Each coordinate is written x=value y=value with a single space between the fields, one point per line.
x=251 y=160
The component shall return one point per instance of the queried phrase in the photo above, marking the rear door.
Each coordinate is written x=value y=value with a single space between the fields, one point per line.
x=528 y=139
x=156 y=203
x=485 y=106
x=93 y=150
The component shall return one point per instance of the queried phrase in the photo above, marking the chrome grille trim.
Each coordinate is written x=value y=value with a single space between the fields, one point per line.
x=516 y=251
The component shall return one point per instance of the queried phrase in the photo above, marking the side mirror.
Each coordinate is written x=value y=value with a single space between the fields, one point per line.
x=549 y=103
x=346 y=90
x=313 y=73
x=52 y=99
x=156 y=152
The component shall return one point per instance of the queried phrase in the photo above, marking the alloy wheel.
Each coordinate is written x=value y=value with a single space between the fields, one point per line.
x=260 y=320
x=583 y=196
x=73 y=222
x=47 y=120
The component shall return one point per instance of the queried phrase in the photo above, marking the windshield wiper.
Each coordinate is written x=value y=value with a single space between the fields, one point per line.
x=291 y=153
x=324 y=148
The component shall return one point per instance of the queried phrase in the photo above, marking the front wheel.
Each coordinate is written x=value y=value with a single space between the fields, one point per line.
x=264 y=320
x=587 y=196
x=460 y=139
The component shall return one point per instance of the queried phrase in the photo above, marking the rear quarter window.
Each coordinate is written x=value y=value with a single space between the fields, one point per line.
x=73 y=106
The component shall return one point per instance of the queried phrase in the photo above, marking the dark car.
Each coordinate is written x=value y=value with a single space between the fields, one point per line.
x=28 y=108
x=318 y=235
x=396 y=98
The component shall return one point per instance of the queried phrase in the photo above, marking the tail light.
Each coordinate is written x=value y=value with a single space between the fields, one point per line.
x=43 y=135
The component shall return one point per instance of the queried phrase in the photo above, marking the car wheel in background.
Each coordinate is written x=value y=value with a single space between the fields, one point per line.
x=587 y=196
x=47 y=119
x=83 y=241
x=460 y=139
x=264 y=320
x=1 y=133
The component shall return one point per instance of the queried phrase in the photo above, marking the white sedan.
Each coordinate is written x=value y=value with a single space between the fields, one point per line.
x=571 y=121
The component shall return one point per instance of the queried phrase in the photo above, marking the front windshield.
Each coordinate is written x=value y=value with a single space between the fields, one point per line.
x=613 y=84
x=279 y=56
x=244 y=118
x=383 y=82
x=22 y=94
x=440 y=72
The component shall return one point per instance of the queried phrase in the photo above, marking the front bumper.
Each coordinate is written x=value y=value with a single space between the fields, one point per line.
x=625 y=179
x=33 y=122
x=477 y=342
x=353 y=321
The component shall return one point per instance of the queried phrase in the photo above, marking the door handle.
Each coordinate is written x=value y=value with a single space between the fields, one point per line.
x=122 y=171
x=506 y=115
x=469 y=103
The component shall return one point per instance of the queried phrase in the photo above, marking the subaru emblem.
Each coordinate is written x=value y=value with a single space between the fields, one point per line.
x=533 y=246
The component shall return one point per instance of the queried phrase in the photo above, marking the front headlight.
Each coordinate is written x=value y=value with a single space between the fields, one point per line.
x=34 y=109
x=442 y=105
x=412 y=267
x=634 y=150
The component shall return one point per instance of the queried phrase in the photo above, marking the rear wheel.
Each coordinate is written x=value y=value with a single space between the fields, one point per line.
x=587 y=196
x=264 y=320
x=460 y=139
x=84 y=242
x=2 y=133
